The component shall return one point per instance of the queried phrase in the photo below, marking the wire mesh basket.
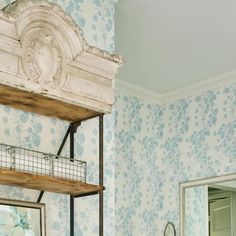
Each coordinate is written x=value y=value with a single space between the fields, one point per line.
x=40 y=163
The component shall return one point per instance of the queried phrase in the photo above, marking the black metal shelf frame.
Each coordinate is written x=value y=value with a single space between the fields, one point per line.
x=72 y=129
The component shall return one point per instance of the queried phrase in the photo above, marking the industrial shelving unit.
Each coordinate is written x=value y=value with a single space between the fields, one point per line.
x=50 y=69
x=67 y=184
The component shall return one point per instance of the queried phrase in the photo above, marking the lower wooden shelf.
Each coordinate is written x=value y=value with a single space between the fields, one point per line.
x=46 y=183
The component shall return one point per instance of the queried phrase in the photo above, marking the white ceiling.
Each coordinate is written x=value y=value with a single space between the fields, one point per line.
x=174 y=43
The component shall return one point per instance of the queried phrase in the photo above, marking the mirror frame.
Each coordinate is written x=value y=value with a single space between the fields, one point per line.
x=173 y=227
x=196 y=183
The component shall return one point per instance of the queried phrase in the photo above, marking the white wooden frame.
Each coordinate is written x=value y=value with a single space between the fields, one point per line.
x=196 y=183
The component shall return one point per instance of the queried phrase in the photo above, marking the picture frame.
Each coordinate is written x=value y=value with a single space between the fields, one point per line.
x=21 y=218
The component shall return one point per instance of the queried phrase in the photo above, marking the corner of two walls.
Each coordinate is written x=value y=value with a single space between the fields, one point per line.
x=149 y=149
x=139 y=179
x=30 y=130
x=159 y=147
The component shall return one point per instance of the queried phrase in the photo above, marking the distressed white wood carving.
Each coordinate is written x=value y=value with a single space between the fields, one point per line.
x=43 y=53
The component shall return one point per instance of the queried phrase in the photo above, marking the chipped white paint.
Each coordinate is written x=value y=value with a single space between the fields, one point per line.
x=43 y=51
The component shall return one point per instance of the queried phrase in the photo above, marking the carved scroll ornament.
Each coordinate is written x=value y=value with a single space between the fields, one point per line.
x=46 y=54
x=42 y=58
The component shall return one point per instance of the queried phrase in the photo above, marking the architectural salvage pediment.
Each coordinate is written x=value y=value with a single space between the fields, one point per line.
x=46 y=66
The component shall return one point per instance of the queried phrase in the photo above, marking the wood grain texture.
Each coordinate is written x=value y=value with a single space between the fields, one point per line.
x=45 y=183
x=43 y=105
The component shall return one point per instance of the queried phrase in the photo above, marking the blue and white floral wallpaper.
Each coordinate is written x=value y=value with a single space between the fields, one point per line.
x=139 y=179
x=196 y=211
x=95 y=17
x=159 y=147
x=149 y=149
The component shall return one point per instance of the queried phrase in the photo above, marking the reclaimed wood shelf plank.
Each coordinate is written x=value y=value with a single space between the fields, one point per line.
x=46 y=183
x=43 y=105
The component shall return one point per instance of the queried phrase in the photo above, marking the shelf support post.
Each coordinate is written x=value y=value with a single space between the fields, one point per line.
x=101 y=175
x=73 y=129
x=73 y=126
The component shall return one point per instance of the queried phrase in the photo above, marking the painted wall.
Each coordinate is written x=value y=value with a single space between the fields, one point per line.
x=30 y=130
x=157 y=148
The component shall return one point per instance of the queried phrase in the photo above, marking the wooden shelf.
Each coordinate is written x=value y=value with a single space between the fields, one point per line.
x=46 y=183
x=41 y=104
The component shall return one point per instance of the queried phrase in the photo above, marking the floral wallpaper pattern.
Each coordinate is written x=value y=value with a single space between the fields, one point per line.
x=94 y=17
x=196 y=211
x=149 y=149
x=30 y=130
x=139 y=129
x=159 y=147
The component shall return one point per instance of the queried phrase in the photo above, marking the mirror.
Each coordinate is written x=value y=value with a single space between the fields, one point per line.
x=169 y=230
x=208 y=207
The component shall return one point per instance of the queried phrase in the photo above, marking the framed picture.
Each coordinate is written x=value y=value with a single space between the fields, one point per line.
x=19 y=218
